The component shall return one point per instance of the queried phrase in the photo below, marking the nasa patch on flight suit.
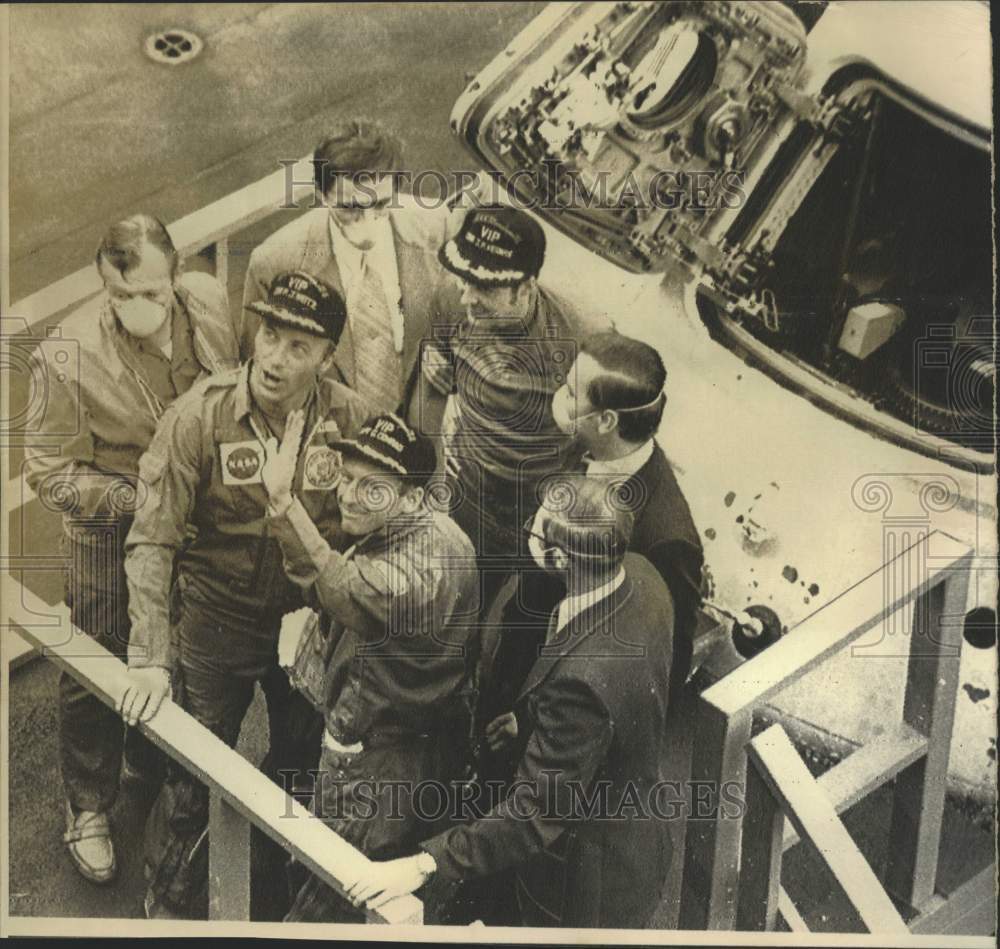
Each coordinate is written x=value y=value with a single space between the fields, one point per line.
x=241 y=462
x=322 y=468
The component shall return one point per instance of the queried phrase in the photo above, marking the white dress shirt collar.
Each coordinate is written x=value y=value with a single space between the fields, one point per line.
x=573 y=606
x=347 y=256
x=623 y=467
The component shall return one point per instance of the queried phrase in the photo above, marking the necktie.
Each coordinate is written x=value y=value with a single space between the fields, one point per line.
x=378 y=369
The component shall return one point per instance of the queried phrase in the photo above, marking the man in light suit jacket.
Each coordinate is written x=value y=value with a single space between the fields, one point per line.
x=583 y=825
x=377 y=248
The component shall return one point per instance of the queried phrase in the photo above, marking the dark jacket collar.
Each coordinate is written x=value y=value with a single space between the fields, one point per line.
x=581 y=629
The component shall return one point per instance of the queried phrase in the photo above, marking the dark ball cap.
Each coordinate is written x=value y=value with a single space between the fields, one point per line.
x=300 y=301
x=387 y=441
x=495 y=246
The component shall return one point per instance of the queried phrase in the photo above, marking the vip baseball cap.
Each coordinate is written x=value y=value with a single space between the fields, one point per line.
x=387 y=441
x=495 y=246
x=300 y=301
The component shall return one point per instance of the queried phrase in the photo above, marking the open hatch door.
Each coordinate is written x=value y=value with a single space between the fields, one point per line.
x=637 y=128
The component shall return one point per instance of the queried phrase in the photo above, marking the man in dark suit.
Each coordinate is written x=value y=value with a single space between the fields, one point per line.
x=377 y=248
x=611 y=404
x=580 y=825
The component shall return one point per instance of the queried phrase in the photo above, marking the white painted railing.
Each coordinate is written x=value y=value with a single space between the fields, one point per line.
x=240 y=795
x=732 y=867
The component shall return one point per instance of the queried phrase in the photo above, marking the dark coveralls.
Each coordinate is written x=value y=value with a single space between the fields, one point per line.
x=398 y=609
x=503 y=374
x=203 y=467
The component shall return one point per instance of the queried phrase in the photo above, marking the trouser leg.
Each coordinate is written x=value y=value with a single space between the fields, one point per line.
x=90 y=733
x=217 y=696
x=523 y=623
x=296 y=730
x=516 y=632
x=389 y=828
x=511 y=624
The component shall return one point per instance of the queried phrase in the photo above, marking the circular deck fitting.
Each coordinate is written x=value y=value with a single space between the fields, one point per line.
x=174 y=46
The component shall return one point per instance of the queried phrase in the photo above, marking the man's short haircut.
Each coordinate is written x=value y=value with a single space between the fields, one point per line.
x=588 y=518
x=123 y=243
x=634 y=375
x=355 y=146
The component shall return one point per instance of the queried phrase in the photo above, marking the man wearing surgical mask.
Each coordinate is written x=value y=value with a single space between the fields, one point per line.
x=128 y=353
x=376 y=247
x=612 y=403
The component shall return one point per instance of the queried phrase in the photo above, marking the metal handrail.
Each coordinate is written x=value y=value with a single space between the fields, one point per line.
x=240 y=794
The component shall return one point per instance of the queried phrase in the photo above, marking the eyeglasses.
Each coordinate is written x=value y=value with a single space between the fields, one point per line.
x=545 y=543
x=548 y=545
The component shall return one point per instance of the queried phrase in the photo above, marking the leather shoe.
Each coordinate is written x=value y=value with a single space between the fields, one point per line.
x=88 y=839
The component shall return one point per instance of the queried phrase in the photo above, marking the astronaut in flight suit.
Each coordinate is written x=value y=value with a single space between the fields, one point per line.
x=203 y=468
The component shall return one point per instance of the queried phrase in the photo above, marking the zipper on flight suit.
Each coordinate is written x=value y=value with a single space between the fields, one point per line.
x=263 y=542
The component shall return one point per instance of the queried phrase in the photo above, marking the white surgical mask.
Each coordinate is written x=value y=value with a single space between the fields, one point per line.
x=539 y=552
x=362 y=233
x=569 y=426
x=561 y=416
x=141 y=317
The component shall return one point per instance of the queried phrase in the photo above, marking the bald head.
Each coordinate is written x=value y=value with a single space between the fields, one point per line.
x=589 y=520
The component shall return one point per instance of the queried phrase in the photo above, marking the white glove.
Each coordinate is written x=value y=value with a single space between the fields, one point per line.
x=279 y=467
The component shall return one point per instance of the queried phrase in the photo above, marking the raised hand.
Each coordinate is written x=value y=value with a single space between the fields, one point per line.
x=279 y=468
